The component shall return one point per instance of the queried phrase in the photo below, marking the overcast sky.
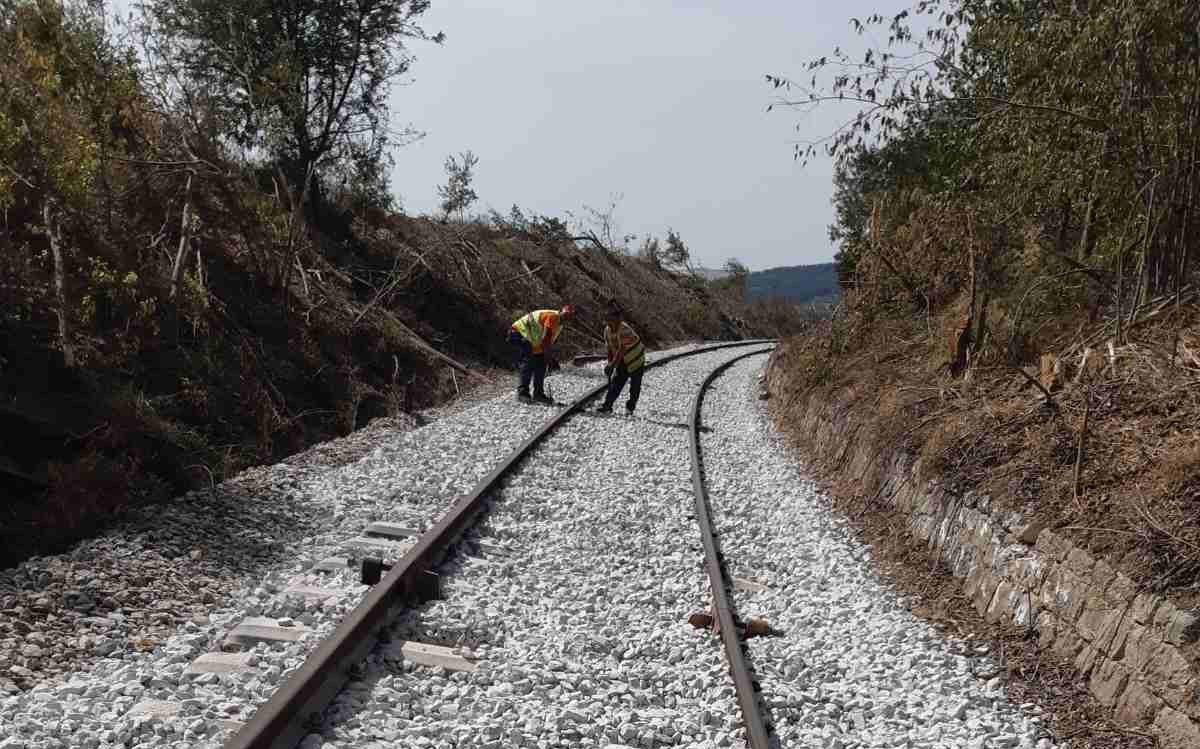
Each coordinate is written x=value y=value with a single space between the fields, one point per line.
x=567 y=102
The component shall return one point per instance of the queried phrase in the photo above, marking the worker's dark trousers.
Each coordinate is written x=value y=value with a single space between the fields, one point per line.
x=617 y=383
x=532 y=366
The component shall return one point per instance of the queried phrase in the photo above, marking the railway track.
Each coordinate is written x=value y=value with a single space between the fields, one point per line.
x=547 y=607
x=285 y=719
x=719 y=580
x=218 y=678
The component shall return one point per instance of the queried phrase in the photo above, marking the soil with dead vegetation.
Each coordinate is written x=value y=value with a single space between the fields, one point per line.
x=1099 y=440
x=395 y=316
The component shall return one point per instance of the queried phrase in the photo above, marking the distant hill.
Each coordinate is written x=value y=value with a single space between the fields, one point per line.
x=802 y=284
x=710 y=274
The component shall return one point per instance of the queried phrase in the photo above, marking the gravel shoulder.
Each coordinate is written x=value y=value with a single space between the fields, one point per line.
x=853 y=666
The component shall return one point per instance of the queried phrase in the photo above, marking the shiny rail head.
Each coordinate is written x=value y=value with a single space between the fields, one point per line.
x=745 y=687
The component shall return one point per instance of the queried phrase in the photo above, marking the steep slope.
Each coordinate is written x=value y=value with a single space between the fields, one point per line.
x=399 y=314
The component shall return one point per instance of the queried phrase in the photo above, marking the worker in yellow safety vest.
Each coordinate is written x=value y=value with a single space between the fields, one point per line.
x=534 y=334
x=626 y=360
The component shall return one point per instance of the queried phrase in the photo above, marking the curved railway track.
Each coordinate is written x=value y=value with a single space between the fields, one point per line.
x=544 y=608
x=718 y=579
x=289 y=714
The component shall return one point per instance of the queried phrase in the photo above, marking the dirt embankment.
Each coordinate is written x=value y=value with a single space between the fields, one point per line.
x=385 y=314
x=1050 y=511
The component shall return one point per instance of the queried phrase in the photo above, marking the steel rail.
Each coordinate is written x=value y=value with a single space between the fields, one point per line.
x=288 y=715
x=722 y=608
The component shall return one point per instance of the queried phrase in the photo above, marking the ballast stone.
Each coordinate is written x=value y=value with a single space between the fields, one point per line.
x=883 y=677
x=577 y=617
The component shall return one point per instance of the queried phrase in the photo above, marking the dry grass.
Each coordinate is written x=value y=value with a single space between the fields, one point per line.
x=1135 y=503
x=404 y=315
x=1137 y=495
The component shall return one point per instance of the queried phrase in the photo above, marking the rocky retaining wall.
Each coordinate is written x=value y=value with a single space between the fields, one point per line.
x=1136 y=651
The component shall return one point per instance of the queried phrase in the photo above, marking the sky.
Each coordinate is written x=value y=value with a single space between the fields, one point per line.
x=567 y=103
x=663 y=103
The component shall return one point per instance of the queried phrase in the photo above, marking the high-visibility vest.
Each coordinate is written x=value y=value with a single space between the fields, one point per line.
x=625 y=337
x=540 y=327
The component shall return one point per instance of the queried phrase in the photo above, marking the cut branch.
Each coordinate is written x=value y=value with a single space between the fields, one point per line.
x=185 y=236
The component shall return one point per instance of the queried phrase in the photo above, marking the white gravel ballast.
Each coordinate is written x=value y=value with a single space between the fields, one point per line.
x=102 y=638
x=570 y=599
x=853 y=668
x=575 y=608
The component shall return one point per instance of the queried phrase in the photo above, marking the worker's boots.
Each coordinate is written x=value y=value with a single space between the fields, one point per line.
x=523 y=396
x=541 y=398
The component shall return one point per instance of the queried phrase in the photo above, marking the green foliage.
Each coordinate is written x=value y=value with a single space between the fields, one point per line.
x=671 y=253
x=926 y=155
x=64 y=95
x=733 y=282
x=735 y=267
x=675 y=253
x=69 y=101
x=457 y=194
x=1011 y=145
x=534 y=227
x=361 y=185
x=306 y=81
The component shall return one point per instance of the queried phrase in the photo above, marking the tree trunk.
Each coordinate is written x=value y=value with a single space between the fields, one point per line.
x=53 y=233
x=296 y=223
x=1088 y=240
x=185 y=236
x=1064 y=222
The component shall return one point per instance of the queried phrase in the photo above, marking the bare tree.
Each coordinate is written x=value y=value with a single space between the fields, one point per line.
x=601 y=228
x=457 y=194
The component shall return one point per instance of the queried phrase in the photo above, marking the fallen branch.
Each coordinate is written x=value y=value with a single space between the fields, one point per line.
x=212 y=482
x=1156 y=307
x=390 y=287
x=1154 y=524
x=185 y=235
x=1094 y=529
x=528 y=272
x=18 y=176
x=1049 y=398
x=428 y=348
x=1087 y=408
x=590 y=237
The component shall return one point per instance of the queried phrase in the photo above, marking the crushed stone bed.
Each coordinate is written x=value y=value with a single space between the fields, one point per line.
x=571 y=597
x=580 y=627
x=87 y=635
x=853 y=668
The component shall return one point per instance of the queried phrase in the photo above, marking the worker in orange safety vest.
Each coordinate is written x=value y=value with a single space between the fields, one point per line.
x=534 y=334
x=626 y=360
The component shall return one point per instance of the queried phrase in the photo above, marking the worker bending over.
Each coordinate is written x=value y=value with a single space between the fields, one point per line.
x=626 y=358
x=533 y=335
